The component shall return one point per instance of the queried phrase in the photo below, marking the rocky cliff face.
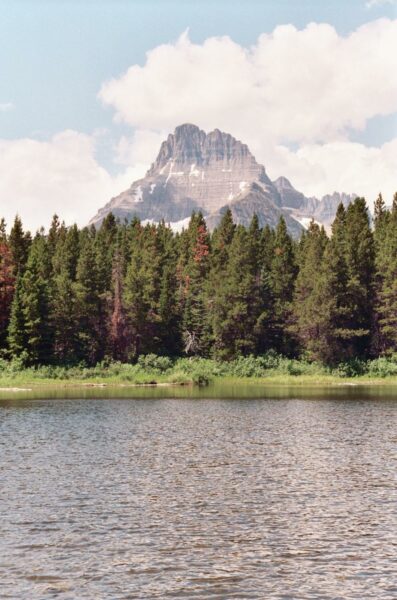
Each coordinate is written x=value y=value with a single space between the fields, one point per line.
x=208 y=172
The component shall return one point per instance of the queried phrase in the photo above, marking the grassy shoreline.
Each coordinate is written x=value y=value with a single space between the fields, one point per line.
x=159 y=371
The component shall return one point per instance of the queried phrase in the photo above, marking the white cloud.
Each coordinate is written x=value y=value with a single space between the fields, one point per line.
x=6 y=106
x=374 y=3
x=38 y=179
x=319 y=169
x=140 y=148
x=310 y=88
x=294 y=86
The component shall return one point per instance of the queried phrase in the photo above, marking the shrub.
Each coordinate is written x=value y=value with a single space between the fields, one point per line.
x=350 y=368
x=152 y=362
x=382 y=367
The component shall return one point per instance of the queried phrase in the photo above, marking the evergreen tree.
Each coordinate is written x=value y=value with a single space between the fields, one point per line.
x=360 y=257
x=29 y=330
x=19 y=243
x=236 y=307
x=89 y=316
x=141 y=293
x=192 y=273
x=311 y=311
x=386 y=282
x=283 y=272
x=118 y=324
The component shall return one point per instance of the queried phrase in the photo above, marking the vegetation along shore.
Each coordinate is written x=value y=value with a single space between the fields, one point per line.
x=269 y=369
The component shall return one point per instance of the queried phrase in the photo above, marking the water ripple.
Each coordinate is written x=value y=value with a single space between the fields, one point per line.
x=267 y=499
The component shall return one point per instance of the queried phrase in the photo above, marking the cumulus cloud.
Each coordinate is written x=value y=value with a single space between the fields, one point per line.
x=305 y=88
x=292 y=86
x=40 y=178
x=140 y=148
x=6 y=106
x=318 y=169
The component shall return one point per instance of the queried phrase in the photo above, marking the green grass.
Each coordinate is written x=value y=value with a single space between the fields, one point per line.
x=269 y=369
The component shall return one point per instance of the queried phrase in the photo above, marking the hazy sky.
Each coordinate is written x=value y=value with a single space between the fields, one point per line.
x=88 y=89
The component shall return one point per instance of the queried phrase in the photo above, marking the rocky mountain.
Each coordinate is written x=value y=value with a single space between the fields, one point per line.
x=303 y=208
x=210 y=172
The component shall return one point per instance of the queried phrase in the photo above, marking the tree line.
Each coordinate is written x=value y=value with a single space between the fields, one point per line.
x=79 y=296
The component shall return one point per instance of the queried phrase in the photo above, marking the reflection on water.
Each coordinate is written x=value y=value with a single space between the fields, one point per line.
x=197 y=498
x=220 y=389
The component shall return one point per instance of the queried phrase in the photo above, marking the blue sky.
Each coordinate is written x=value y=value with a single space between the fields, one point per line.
x=57 y=55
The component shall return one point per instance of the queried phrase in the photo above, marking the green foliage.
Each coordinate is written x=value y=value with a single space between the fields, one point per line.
x=152 y=362
x=351 y=368
x=128 y=301
x=382 y=367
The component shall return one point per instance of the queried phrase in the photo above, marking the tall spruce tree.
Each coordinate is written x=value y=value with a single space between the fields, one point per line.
x=118 y=331
x=19 y=243
x=90 y=324
x=142 y=291
x=386 y=281
x=192 y=273
x=236 y=307
x=360 y=258
x=311 y=310
x=283 y=272
x=30 y=333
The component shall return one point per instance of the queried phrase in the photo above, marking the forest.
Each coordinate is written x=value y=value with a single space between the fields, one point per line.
x=74 y=296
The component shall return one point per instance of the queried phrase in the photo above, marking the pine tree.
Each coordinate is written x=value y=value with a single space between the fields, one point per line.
x=192 y=273
x=29 y=329
x=236 y=308
x=283 y=273
x=90 y=324
x=105 y=242
x=360 y=257
x=386 y=282
x=220 y=244
x=54 y=234
x=168 y=309
x=311 y=317
x=141 y=293
x=19 y=243
x=118 y=323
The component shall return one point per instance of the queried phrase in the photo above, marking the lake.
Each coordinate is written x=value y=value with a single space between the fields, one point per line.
x=271 y=493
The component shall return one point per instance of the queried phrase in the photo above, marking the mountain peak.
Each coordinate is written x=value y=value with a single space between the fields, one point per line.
x=283 y=183
x=191 y=145
x=186 y=129
x=195 y=170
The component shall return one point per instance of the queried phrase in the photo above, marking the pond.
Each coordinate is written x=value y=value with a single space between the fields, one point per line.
x=277 y=493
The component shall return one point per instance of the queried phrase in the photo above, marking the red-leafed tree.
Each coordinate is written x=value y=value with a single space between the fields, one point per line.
x=7 y=286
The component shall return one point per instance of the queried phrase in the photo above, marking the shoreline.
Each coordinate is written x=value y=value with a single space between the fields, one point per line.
x=272 y=381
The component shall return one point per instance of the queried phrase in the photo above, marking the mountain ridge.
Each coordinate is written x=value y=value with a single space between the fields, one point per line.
x=209 y=172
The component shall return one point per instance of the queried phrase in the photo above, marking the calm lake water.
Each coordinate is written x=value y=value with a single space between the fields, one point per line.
x=288 y=496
